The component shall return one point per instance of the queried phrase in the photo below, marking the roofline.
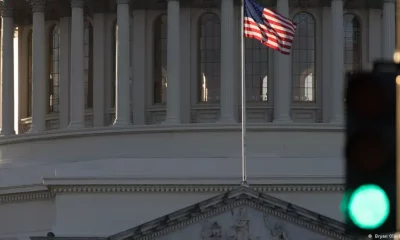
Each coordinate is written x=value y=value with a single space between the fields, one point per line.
x=244 y=194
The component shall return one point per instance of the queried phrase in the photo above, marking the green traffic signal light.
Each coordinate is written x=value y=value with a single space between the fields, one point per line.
x=368 y=206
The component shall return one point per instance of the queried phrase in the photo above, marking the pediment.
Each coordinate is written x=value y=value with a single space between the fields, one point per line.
x=241 y=214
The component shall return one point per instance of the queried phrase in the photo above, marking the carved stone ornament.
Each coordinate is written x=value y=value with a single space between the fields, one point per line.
x=211 y=231
x=38 y=5
x=77 y=3
x=276 y=230
x=241 y=227
x=7 y=9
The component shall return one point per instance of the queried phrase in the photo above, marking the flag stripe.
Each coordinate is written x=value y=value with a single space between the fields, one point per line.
x=271 y=28
x=251 y=27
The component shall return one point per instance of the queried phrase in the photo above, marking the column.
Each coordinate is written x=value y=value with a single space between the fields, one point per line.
x=122 y=108
x=7 y=73
x=39 y=76
x=65 y=70
x=389 y=29
x=139 y=66
x=283 y=78
x=77 y=108
x=337 y=62
x=173 y=64
x=227 y=63
x=98 y=69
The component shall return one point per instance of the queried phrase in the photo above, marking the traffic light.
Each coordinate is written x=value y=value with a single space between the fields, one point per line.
x=369 y=203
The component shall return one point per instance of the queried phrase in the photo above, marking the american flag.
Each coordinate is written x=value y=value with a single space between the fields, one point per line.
x=272 y=29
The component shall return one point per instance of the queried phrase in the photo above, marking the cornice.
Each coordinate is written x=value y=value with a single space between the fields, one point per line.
x=26 y=197
x=194 y=188
x=254 y=180
x=136 y=129
x=19 y=194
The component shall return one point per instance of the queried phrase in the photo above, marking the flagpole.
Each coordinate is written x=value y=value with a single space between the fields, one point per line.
x=244 y=167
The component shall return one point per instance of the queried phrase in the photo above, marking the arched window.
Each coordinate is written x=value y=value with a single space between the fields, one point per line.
x=209 y=55
x=54 y=79
x=303 y=59
x=352 y=43
x=29 y=80
x=115 y=50
x=160 y=60
x=256 y=70
x=88 y=48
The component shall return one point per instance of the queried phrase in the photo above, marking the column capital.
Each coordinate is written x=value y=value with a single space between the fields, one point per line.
x=123 y=1
x=77 y=3
x=7 y=9
x=37 y=5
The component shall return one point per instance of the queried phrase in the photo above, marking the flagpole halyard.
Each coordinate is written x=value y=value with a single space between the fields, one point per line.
x=243 y=89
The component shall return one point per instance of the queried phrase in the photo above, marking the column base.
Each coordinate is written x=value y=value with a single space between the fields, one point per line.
x=121 y=123
x=283 y=120
x=34 y=130
x=75 y=125
x=5 y=133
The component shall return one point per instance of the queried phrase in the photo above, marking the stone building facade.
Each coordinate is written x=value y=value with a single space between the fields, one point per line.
x=118 y=112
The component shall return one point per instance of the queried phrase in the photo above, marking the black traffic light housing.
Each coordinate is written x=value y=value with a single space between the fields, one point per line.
x=370 y=148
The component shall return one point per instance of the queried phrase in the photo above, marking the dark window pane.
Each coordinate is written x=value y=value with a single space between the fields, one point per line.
x=53 y=89
x=352 y=43
x=303 y=59
x=88 y=54
x=352 y=47
x=256 y=71
x=209 y=50
x=29 y=82
x=160 y=60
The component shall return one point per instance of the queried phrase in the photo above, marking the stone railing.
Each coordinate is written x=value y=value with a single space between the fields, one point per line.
x=53 y=121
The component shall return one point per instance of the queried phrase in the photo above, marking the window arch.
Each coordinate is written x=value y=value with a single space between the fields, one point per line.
x=209 y=55
x=160 y=60
x=54 y=71
x=88 y=61
x=29 y=80
x=256 y=71
x=303 y=59
x=115 y=50
x=352 y=43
